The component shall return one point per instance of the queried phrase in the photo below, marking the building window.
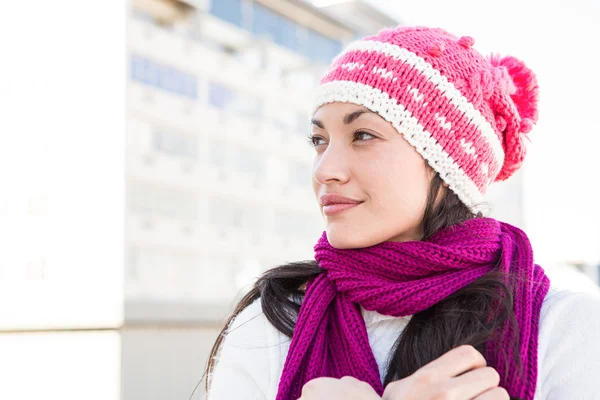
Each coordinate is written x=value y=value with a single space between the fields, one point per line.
x=251 y=163
x=248 y=106
x=175 y=144
x=166 y=78
x=282 y=30
x=142 y=16
x=320 y=48
x=153 y=201
x=227 y=99
x=219 y=95
x=227 y=10
x=232 y=214
x=225 y=213
x=288 y=34
x=263 y=21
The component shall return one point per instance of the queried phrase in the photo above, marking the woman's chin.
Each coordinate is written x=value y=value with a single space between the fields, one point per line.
x=345 y=236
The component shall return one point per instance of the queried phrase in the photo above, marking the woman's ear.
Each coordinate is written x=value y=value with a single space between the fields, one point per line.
x=444 y=184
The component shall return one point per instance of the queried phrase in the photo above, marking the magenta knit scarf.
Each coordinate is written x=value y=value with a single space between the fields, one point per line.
x=399 y=279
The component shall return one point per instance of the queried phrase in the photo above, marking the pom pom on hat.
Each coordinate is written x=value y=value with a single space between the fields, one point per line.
x=526 y=96
x=517 y=104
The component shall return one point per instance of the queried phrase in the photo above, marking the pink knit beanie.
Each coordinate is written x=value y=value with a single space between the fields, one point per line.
x=467 y=115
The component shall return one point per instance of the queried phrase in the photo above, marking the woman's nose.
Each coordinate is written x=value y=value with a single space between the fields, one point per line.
x=332 y=166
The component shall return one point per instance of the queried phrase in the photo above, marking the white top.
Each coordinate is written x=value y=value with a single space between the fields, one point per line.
x=253 y=352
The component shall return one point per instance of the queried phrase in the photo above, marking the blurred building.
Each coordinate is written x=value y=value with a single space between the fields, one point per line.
x=218 y=166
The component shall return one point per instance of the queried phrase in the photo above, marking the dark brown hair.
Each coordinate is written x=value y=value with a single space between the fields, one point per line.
x=473 y=315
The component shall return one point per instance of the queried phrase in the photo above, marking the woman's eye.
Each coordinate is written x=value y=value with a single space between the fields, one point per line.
x=360 y=135
x=314 y=140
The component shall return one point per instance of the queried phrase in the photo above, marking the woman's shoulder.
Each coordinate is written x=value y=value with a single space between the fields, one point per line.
x=567 y=309
x=560 y=301
x=569 y=350
x=249 y=356
x=251 y=326
x=568 y=316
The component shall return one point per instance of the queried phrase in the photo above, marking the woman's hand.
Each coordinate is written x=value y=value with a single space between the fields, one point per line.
x=460 y=374
x=346 y=388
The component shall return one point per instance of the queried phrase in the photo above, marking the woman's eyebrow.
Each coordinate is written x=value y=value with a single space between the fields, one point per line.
x=348 y=118
x=317 y=123
x=351 y=117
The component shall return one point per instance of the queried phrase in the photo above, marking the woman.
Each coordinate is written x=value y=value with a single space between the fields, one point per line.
x=413 y=294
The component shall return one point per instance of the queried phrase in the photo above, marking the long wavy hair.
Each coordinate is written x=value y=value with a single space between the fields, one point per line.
x=461 y=318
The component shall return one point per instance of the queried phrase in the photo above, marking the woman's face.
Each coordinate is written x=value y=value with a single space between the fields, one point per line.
x=362 y=158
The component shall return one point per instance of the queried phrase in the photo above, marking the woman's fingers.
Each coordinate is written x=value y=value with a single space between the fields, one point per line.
x=473 y=383
x=456 y=362
x=318 y=388
x=460 y=374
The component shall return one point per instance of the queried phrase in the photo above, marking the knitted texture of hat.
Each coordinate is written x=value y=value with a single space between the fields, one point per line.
x=403 y=278
x=467 y=115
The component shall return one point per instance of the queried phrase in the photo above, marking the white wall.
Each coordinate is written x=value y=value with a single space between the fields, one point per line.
x=62 y=80
x=62 y=165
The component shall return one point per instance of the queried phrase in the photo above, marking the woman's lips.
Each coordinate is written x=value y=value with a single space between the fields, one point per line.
x=334 y=209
